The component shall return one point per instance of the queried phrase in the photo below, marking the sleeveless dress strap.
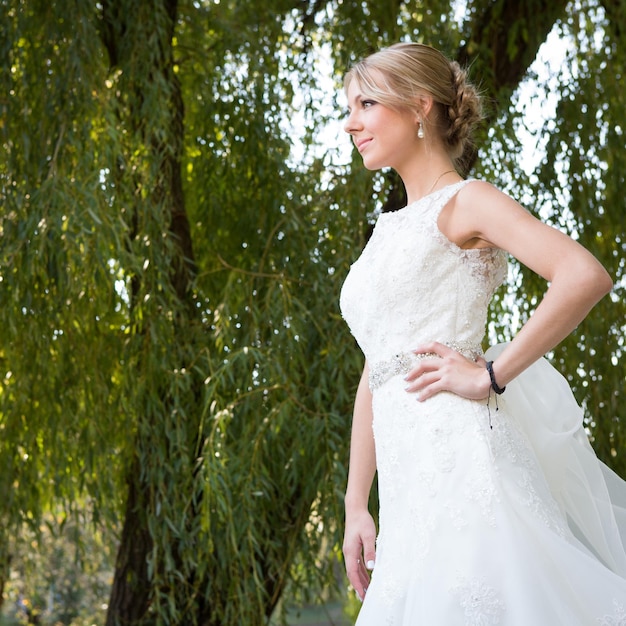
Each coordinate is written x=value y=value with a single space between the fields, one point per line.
x=445 y=194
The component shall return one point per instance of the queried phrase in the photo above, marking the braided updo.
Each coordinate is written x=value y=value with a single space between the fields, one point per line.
x=397 y=76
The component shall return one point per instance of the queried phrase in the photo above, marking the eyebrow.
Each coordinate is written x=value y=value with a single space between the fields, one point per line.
x=357 y=98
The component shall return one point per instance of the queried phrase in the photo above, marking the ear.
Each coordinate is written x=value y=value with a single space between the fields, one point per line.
x=423 y=107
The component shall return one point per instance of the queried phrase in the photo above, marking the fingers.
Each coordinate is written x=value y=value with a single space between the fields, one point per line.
x=447 y=370
x=427 y=385
x=358 y=577
x=359 y=552
x=435 y=348
x=425 y=365
x=425 y=373
x=431 y=359
x=369 y=552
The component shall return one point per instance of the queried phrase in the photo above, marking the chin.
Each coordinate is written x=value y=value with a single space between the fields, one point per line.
x=372 y=165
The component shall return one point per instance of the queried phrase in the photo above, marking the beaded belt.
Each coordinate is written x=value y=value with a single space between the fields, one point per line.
x=402 y=363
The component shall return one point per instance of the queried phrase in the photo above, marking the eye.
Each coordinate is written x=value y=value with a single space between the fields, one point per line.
x=366 y=104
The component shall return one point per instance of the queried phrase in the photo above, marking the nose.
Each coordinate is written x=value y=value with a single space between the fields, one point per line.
x=351 y=124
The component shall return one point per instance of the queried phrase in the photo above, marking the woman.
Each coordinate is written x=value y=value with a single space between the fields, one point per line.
x=493 y=507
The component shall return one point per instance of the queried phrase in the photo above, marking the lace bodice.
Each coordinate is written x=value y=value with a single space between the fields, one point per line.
x=412 y=285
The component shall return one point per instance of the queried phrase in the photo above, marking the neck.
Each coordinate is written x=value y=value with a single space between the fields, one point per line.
x=430 y=179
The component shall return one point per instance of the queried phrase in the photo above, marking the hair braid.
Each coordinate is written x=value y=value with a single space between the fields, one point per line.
x=464 y=112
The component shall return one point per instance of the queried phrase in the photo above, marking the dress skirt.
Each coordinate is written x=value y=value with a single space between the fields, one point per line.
x=502 y=517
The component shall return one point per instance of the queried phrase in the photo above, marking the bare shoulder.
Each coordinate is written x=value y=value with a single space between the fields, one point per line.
x=479 y=195
x=468 y=218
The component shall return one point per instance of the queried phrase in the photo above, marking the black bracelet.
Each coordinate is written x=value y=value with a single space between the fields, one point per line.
x=494 y=384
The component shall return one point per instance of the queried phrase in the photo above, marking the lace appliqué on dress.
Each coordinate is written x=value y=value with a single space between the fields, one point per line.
x=617 y=619
x=422 y=527
x=390 y=588
x=481 y=489
x=389 y=471
x=439 y=435
x=510 y=446
x=488 y=266
x=480 y=602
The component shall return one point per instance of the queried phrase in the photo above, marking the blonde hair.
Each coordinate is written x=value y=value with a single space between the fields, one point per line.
x=397 y=76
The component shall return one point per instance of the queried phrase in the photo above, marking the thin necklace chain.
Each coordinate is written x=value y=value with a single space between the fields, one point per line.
x=438 y=179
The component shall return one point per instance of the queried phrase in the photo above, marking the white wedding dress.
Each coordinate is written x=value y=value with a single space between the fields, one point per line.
x=514 y=524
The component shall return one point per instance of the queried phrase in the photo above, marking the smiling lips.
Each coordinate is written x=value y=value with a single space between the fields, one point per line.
x=361 y=143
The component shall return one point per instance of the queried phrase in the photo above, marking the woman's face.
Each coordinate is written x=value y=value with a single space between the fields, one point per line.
x=383 y=136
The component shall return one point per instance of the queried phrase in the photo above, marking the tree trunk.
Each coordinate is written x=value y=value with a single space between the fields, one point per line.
x=132 y=588
x=130 y=593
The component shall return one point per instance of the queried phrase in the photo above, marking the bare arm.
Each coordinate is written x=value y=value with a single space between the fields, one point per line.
x=360 y=532
x=483 y=216
x=577 y=281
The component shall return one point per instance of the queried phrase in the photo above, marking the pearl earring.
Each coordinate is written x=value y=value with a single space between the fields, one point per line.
x=420 y=131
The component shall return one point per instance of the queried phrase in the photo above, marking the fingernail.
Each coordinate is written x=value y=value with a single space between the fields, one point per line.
x=358 y=595
x=370 y=564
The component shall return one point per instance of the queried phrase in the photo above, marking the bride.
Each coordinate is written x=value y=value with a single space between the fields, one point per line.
x=493 y=507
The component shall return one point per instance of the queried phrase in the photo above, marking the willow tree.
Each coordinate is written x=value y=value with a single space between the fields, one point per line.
x=175 y=231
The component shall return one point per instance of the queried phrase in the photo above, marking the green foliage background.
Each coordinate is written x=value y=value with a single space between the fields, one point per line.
x=175 y=230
